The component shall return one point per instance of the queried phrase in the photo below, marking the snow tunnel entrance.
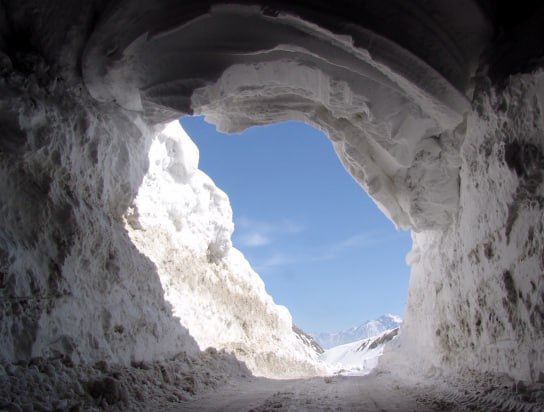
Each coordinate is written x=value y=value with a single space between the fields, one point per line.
x=395 y=122
x=393 y=110
x=322 y=247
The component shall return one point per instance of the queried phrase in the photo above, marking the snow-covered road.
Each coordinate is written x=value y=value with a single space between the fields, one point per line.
x=339 y=393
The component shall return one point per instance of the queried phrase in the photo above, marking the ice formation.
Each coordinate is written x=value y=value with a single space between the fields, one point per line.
x=434 y=107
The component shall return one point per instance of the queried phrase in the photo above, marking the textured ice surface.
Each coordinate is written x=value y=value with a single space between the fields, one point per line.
x=73 y=283
x=476 y=295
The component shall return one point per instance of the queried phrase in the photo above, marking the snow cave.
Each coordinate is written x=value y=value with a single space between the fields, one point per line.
x=120 y=288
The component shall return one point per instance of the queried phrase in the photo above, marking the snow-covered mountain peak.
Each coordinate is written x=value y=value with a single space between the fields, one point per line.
x=393 y=318
x=365 y=330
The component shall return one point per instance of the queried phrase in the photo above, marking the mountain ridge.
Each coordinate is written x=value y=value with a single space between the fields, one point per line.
x=365 y=330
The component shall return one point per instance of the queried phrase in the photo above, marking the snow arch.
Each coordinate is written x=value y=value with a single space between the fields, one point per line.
x=386 y=110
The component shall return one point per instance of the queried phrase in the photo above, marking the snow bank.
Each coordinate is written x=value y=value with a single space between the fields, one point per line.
x=476 y=296
x=183 y=223
x=56 y=384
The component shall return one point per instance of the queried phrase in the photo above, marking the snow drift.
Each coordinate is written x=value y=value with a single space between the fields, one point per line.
x=402 y=91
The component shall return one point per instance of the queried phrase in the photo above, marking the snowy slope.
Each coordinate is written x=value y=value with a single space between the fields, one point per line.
x=359 y=357
x=366 y=330
x=308 y=340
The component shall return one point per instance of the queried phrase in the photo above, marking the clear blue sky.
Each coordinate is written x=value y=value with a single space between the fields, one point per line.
x=317 y=240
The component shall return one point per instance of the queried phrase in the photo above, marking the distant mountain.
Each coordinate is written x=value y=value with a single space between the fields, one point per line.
x=308 y=340
x=367 y=330
x=359 y=357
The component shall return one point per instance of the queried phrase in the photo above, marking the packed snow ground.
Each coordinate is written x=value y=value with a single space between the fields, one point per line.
x=378 y=391
x=338 y=393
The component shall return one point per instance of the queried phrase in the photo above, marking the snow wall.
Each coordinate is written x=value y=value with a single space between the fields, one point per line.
x=100 y=261
x=92 y=271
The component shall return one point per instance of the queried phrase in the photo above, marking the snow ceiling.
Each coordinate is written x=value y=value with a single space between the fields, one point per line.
x=391 y=96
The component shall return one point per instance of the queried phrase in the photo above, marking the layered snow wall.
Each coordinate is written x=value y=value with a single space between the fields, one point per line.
x=90 y=273
x=73 y=283
x=183 y=223
x=476 y=296
x=95 y=265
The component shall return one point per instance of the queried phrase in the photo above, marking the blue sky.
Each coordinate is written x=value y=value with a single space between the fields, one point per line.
x=317 y=240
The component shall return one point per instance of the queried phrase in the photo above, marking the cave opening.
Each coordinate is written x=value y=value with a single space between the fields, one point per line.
x=431 y=107
x=322 y=247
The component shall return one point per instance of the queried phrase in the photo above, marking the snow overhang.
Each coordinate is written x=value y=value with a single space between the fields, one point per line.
x=386 y=83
